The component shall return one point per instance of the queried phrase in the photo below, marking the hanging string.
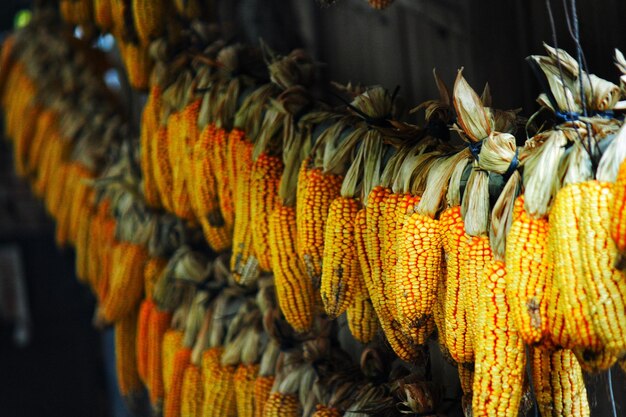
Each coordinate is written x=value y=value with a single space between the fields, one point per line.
x=611 y=395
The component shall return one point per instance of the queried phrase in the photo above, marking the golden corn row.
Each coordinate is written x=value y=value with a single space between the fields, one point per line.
x=85 y=230
x=173 y=398
x=188 y=138
x=304 y=172
x=143 y=326
x=244 y=381
x=396 y=209
x=418 y=270
x=162 y=168
x=293 y=288
x=341 y=270
x=282 y=405
x=618 y=211
x=157 y=345
x=125 y=356
x=203 y=192
x=565 y=240
x=324 y=411
x=148 y=16
x=439 y=309
x=500 y=356
x=219 y=391
x=558 y=383
x=265 y=179
x=126 y=284
x=262 y=388
x=243 y=263
x=361 y=317
x=474 y=258
x=172 y=342
x=149 y=130
x=321 y=190
x=225 y=182
x=192 y=395
x=529 y=275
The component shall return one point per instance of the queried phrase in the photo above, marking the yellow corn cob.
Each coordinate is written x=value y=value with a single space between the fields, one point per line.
x=321 y=190
x=323 y=411
x=118 y=10
x=565 y=240
x=162 y=168
x=500 y=356
x=418 y=270
x=466 y=378
x=604 y=284
x=82 y=242
x=95 y=243
x=7 y=59
x=243 y=263
x=148 y=17
x=395 y=210
x=223 y=175
x=618 y=210
x=172 y=342
x=82 y=197
x=157 y=346
x=102 y=14
x=362 y=319
x=138 y=65
x=107 y=242
x=439 y=309
x=192 y=392
x=368 y=250
x=143 y=325
x=474 y=258
x=264 y=182
x=219 y=392
x=46 y=124
x=244 y=379
x=341 y=270
x=149 y=130
x=203 y=192
x=529 y=275
x=173 y=398
x=126 y=284
x=303 y=179
x=262 y=388
x=558 y=383
x=293 y=289
x=62 y=212
x=282 y=405
x=125 y=356
x=23 y=141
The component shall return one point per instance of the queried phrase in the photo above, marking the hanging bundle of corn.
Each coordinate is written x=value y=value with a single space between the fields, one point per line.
x=558 y=383
x=128 y=379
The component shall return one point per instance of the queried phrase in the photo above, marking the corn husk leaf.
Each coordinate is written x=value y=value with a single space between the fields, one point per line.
x=613 y=157
x=471 y=114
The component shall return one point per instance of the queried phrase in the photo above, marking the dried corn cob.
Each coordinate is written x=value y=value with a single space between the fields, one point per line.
x=172 y=343
x=341 y=270
x=158 y=345
x=528 y=274
x=149 y=130
x=24 y=139
x=176 y=141
x=323 y=411
x=244 y=381
x=223 y=174
x=618 y=210
x=102 y=14
x=565 y=246
x=76 y=11
x=243 y=263
x=138 y=65
x=143 y=323
x=500 y=356
x=264 y=182
x=293 y=289
x=173 y=398
x=321 y=190
x=192 y=392
x=558 y=383
x=282 y=405
x=104 y=276
x=162 y=168
x=219 y=394
x=125 y=356
x=149 y=19
x=126 y=284
x=262 y=388
x=474 y=258
x=183 y=147
x=418 y=270
x=84 y=234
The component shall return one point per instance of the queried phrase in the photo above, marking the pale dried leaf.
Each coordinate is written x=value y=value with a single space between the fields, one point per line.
x=613 y=157
x=471 y=114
